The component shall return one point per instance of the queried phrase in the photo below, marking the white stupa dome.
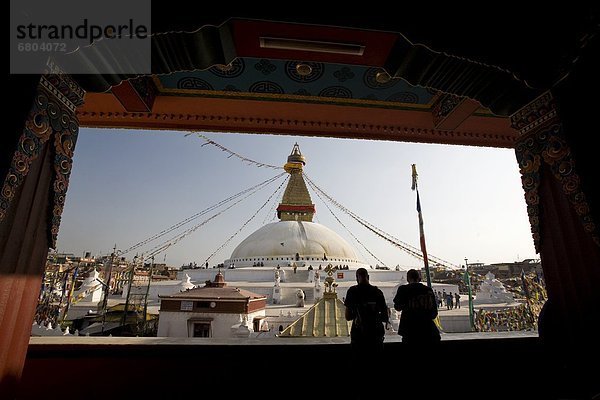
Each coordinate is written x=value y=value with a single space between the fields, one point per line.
x=284 y=243
x=295 y=240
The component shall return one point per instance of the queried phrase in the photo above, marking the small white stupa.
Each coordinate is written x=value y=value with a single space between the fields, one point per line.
x=91 y=289
x=242 y=329
x=492 y=291
x=186 y=284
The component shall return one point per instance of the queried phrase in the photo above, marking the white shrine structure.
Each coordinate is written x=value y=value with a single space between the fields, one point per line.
x=492 y=291
x=91 y=289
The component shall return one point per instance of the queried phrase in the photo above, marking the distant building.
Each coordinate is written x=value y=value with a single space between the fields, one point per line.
x=61 y=258
x=211 y=311
x=166 y=271
x=507 y=270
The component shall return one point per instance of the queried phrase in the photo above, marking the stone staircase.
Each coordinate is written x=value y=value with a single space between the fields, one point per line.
x=301 y=275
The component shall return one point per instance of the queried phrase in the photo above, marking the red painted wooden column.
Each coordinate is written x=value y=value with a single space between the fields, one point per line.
x=564 y=232
x=32 y=197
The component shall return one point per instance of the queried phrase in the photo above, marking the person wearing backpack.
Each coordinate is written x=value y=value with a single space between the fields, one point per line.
x=366 y=308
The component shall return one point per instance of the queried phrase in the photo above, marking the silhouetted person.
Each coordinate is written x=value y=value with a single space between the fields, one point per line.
x=418 y=305
x=366 y=308
x=420 y=335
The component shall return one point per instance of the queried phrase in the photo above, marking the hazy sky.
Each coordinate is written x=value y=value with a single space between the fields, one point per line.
x=127 y=185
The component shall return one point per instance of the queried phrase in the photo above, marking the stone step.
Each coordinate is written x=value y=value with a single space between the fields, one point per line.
x=299 y=276
x=310 y=296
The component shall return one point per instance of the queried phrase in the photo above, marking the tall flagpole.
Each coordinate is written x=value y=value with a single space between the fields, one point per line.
x=415 y=187
x=467 y=280
x=421 y=231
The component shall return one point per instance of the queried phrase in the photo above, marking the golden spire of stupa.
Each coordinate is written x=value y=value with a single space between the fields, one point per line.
x=296 y=204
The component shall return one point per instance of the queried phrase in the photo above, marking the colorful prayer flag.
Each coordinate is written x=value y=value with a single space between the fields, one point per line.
x=414 y=177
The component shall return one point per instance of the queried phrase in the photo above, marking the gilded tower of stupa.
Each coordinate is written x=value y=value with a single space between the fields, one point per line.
x=296 y=204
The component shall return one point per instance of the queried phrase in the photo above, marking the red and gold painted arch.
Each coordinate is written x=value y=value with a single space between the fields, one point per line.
x=444 y=99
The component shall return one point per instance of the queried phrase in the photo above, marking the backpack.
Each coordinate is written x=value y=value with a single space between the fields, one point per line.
x=368 y=320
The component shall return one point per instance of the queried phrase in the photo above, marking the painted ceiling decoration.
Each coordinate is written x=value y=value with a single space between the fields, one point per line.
x=342 y=57
x=297 y=80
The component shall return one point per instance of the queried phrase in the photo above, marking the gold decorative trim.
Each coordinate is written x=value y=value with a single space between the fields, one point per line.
x=295 y=124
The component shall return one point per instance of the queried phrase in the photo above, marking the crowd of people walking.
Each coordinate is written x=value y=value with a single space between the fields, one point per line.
x=450 y=300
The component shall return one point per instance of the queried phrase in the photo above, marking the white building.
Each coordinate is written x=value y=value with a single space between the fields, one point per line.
x=211 y=311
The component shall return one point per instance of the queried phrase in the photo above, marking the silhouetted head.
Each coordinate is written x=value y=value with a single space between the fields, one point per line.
x=362 y=275
x=413 y=276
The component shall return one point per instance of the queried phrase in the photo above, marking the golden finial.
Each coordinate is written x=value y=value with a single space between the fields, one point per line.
x=295 y=160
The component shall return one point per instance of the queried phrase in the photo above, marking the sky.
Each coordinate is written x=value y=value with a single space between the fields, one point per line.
x=127 y=185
